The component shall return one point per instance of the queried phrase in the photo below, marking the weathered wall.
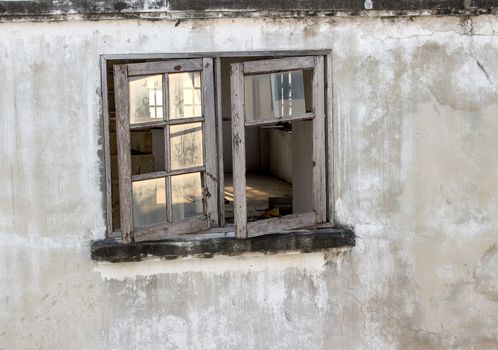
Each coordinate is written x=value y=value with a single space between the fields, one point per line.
x=415 y=108
x=55 y=10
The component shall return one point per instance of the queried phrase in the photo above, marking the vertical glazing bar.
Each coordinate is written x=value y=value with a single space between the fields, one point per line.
x=167 y=152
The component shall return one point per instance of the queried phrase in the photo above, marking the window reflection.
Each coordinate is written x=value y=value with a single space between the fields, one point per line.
x=186 y=145
x=274 y=96
x=186 y=195
x=146 y=99
x=185 y=95
x=149 y=202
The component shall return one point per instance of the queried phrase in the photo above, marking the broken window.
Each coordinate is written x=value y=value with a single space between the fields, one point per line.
x=239 y=147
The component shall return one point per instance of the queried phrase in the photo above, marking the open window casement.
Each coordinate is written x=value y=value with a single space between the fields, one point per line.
x=270 y=93
x=166 y=148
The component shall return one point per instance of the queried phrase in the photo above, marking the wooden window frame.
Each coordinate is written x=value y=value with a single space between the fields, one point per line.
x=200 y=222
x=238 y=71
x=219 y=229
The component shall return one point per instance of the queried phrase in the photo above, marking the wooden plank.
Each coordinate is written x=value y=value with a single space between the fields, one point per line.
x=161 y=67
x=221 y=232
x=193 y=224
x=288 y=222
x=149 y=176
x=219 y=137
x=238 y=149
x=210 y=159
x=319 y=176
x=124 y=154
x=148 y=125
x=170 y=232
x=186 y=170
x=185 y=120
x=278 y=65
x=270 y=120
x=330 y=141
x=151 y=232
x=107 y=146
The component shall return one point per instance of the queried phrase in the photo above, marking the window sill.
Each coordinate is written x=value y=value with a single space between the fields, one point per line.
x=304 y=241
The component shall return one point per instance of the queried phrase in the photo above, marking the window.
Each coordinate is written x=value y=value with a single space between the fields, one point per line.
x=176 y=189
x=285 y=105
x=215 y=144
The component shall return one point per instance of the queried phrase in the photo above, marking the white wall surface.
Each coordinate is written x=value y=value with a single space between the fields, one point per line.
x=416 y=173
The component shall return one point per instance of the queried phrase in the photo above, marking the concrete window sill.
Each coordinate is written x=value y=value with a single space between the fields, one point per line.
x=304 y=241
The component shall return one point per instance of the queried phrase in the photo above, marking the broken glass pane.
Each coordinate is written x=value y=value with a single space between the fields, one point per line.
x=147 y=150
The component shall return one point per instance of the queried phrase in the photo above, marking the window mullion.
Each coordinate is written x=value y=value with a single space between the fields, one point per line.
x=238 y=149
x=319 y=176
x=209 y=138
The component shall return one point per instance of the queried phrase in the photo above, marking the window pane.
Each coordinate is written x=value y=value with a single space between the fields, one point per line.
x=274 y=96
x=187 y=195
x=147 y=151
x=185 y=95
x=149 y=202
x=186 y=145
x=146 y=99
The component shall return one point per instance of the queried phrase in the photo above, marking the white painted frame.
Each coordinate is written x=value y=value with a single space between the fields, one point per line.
x=238 y=71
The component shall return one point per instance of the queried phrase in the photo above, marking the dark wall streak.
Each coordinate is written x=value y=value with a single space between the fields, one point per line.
x=94 y=10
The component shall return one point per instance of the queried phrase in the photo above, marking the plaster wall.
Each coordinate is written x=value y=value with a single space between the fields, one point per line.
x=416 y=173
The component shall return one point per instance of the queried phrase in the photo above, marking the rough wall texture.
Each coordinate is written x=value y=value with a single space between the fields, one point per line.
x=54 y=10
x=415 y=108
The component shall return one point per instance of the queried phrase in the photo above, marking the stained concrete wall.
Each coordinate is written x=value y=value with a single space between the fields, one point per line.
x=416 y=172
